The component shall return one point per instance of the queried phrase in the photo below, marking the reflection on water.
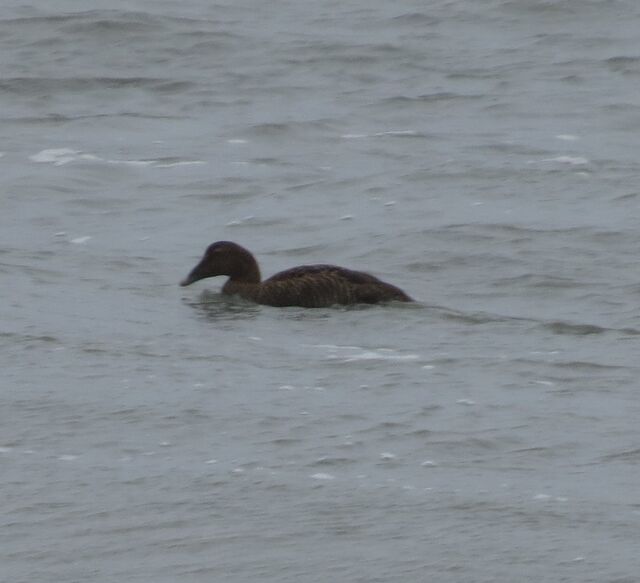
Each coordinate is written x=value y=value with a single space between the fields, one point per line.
x=216 y=306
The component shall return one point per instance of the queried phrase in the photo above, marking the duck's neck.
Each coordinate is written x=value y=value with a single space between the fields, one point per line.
x=246 y=271
x=246 y=283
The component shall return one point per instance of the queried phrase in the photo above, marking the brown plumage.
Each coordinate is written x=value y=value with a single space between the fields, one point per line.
x=309 y=286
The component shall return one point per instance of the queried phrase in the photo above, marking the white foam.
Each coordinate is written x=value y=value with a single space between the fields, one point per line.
x=80 y=240
x=465 y=402
x=396 y=133
x=380 y=134
x=355 y=353
x=67 y=458
x=572 y=160
x=181 y=163
x=130 y=162
x=55 y=156
x=567 y=137
x=241 y=221
x=549 y=497
x=387 y=456
x=428 y=464
x=237 y=141
x=542 y=497
x=152 y=163
x=211 y=462
x=322 y=476
x=61 y=156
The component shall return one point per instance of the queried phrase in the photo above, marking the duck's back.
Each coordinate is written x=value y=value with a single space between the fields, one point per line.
x=316 y=286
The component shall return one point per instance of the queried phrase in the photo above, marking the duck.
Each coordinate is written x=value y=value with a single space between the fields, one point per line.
x=307 y=286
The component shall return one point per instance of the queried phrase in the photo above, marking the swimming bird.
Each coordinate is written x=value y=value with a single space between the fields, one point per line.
x=308 y=286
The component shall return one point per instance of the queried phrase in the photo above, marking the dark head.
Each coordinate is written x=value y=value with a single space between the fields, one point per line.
x=225 y=258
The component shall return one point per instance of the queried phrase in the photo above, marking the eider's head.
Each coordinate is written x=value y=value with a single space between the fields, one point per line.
x=225 y=258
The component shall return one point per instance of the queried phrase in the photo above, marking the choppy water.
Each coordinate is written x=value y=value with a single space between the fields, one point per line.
x=483 y=156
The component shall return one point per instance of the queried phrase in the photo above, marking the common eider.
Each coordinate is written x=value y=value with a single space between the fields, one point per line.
x=308 y=286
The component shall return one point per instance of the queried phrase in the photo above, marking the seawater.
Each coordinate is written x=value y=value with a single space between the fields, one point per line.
x=481 y=156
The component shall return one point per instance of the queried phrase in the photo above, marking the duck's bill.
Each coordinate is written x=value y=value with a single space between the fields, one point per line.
x=191 y=278
x=196 y=274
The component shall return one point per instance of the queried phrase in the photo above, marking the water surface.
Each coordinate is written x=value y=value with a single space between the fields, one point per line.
x=481 y=156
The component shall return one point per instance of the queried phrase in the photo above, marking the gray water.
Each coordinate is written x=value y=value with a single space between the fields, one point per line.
x=483 y=156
